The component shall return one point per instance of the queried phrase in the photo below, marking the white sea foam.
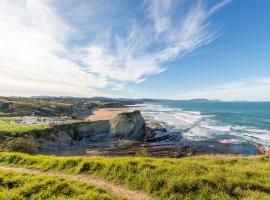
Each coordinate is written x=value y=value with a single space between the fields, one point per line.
x=196 y=126
x=218 y=128
x=175 y=118
x=231 y=141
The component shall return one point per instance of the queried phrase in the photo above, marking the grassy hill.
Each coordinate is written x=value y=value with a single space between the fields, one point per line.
x=22 y=186
x=26 y=106
x=52 y=107
x=203 y=177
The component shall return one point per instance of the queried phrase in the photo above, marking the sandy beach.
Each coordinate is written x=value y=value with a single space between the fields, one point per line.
x=106 y=113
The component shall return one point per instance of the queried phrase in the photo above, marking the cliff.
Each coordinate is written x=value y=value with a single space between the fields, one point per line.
x=128 y=125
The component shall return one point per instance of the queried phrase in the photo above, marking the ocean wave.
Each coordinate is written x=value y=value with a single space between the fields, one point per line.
x=227 y=128
x=231 y=141
x=197 y=126
x=175 y=118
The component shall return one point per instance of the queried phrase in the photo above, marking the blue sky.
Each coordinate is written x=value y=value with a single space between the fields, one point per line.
x=216 y=49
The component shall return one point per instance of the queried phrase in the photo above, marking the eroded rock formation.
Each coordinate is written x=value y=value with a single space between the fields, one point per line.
x=263 y=149
x=80 y=111
x=128 y=125
x=154 y=126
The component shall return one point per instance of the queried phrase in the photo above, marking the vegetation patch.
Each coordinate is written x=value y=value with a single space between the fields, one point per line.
x=8 y=125
x=52 y=107
x=23 y=145
x=203 y=177
x=25 y=186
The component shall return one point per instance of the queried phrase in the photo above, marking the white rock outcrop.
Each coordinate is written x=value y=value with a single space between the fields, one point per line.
x=128 y=125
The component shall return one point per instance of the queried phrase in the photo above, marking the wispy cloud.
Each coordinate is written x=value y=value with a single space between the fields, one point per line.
x=252 y=89
x=145 y=47
x=219 y=5
x=40 y=54
x=159 y=11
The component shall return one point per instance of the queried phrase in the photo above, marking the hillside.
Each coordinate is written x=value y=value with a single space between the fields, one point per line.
x=203 y=177
x=52 y=106
x=17 y=185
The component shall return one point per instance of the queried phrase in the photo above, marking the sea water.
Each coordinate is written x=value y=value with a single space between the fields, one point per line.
x=222 y=122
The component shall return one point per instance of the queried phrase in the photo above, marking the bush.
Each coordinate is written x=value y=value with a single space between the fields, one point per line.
x=23 y=145
x=143 y=153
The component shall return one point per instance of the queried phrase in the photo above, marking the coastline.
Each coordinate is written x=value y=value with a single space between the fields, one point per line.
x=101 y=144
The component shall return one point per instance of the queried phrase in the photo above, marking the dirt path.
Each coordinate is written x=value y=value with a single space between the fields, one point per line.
x=110 y=187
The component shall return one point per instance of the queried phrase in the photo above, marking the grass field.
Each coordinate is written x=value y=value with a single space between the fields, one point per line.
x=20 y=186
x=7 y=124
x=203 y=177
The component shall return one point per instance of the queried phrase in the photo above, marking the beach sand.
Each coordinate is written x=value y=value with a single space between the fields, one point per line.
x=106 y=113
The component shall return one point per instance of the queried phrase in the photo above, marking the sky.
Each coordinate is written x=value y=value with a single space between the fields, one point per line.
x=171 y=49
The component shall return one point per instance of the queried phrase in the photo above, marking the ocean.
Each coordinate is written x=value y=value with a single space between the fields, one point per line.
x=239 y=123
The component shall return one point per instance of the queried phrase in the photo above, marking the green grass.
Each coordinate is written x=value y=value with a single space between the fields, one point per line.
x=203 y=177
x=43 y=107
x=20 y=186
x=7 y=124
x=49 y=106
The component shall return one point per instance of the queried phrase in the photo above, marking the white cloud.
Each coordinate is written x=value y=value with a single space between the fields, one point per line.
x=36 y=57
x=144 y=49
x=159 y=10
x=219 y=5
x=118 y=87
x=32 y=53
x=252 y=89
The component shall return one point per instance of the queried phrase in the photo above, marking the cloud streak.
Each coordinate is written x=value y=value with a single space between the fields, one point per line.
x=144 y=48
x=252 y=89
x=39 y=54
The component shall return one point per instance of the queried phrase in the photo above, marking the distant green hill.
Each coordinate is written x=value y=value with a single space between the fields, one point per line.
x=52 y=107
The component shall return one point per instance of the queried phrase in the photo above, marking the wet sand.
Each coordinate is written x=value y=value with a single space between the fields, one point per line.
x=106 y=113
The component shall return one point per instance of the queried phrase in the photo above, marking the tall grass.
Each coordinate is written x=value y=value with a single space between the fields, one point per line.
x=203 y=177
x=24 y=186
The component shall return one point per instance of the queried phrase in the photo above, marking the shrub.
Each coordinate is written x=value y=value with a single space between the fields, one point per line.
x=23 y=145
x=143 y=153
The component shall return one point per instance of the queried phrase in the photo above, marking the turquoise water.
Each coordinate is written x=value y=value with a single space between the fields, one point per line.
x=222 y=122
x=255 y=114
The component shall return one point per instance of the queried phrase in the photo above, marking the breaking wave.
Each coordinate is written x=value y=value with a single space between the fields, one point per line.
x=197 y=126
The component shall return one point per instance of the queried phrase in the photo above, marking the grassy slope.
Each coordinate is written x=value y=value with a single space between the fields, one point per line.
x=17 y=129
x=204 y=177
x=21 y=186
x=7 y=124
x=46 y=107
x=49 y=106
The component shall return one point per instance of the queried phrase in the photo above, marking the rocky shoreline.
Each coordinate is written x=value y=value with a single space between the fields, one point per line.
x=127 y=134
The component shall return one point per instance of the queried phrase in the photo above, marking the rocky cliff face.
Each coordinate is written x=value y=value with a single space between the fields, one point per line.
x=80 y=111
x=128 y=125
x=94 y=128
